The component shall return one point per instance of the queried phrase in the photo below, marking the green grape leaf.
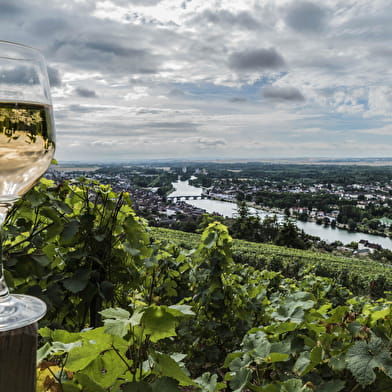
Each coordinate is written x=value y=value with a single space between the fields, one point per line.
x=80 y=357
x=78 y=281
x=257 y=340
x=115 y=313
x=132 y=251
x=276 y=357
x=316 y=355
x=209 y=240
x=294 y=306
x=293 y=385
x=158 y=323
x=165 y=384
x=136 y=317
x=362 y=358
x=301 y=363
x=117 y=327
x=94 y=342
x=45 y=332
x=281 y=328
x=61 y=335
x=106 y=368
x=332 y=386
x=209 y=382
x=69 y=387
x=50 y=251
x=88 y=384
x=69 y=230
x=282 y=347
x=50 y=213
x=167 y=366
x=180 y=310
x=240 y=379
x=35 y=198
x=337 y=314
x=269 y=388
x=139 y=386
x=338 y=363
x=106 y=289
x=230 y=358
x=380 y=314
x=116 y=321
x=42 y=259
x=61 y=348
x=43 y=352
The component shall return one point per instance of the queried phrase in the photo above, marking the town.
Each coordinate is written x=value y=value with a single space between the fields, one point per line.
x=356 y=198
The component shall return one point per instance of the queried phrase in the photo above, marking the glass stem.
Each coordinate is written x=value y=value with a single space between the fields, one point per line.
x=3 y=285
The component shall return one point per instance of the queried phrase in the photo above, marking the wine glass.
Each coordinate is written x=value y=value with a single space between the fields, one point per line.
x=27 y=143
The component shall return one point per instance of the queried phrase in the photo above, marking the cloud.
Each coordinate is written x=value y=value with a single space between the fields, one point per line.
x=49 y=26
x=176 y=92
x=105 y=55
x=146 y=3
x=9 y=9
x=210 y=142
x=19 y=75
x=85 y=93
x=86 y=108
x=104 y=143
x=305 y=17
x=380 y=101
x=381 y=51
x=383 y=130
x=54 y=76
x=256 y=60
x=113 y=48
x=203 y=69
x=283 y=94
x=237 y=100
x=226 y=18
x=173 y=126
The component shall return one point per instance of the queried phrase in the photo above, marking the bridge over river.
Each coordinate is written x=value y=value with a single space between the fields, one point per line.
x=188 y=197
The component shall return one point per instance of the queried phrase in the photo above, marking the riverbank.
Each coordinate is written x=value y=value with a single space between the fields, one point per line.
x=281 y=214
x=229 y=209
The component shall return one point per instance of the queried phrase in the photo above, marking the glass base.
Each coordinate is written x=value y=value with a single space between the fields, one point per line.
x=18 y=310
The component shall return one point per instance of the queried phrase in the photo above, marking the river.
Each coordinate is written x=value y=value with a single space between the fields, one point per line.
x=227 y=209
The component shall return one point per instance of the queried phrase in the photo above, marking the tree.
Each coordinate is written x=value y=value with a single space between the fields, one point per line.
x=290 y=236
x=246 y=226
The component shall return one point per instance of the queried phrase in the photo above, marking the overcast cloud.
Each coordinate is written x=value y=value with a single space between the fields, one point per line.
x=135 y=79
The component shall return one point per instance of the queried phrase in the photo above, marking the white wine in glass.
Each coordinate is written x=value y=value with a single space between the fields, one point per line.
x=27 y=144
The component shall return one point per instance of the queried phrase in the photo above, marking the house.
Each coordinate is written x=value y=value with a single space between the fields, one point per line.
x=362 y=252
x=386 y=222
x=364 y=245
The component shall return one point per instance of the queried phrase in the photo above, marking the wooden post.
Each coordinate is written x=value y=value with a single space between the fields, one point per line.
x=18 y=352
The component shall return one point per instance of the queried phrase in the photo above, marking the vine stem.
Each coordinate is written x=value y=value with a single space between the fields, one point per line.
x=58 y=379
x=355 y=387
x=122 y=358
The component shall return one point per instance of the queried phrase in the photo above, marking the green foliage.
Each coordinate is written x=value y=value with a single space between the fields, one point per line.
x=81 y=244
x=121 y=353
x=357 y=274
x=363 y=357
x=176 y=317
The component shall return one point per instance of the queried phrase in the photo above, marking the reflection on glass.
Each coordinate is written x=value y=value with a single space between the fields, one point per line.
x=26 y=149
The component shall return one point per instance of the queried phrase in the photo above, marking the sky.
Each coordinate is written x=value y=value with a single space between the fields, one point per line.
x=217 y=79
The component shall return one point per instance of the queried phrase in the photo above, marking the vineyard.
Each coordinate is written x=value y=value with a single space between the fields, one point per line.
x=138 y=309
x=363 y=276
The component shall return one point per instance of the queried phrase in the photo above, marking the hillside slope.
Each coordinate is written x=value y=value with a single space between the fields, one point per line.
x=362 y=276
